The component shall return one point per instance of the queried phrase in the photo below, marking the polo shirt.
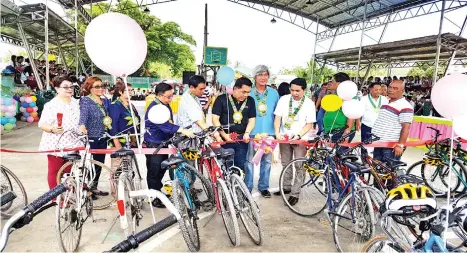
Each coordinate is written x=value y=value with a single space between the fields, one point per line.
x=223 y=108
x=265 y=124
x=189 y=112
x=304 y=116
x=388 y=124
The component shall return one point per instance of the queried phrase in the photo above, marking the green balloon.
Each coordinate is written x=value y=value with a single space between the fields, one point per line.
x=9 y=126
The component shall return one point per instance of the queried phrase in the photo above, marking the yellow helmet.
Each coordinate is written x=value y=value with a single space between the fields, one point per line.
x=410 y=196
x=191 y=154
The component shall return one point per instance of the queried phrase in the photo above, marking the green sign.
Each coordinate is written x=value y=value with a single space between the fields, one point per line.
x=215 y=56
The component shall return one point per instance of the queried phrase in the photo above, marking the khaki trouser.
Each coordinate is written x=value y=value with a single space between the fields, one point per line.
x=289 y=152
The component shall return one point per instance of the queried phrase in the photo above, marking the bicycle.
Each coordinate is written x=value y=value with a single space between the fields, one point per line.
x=233 y=198
x=185 y=197
x=438 y=157
x=435 y=223
x=75 y=206
x=26 y=214
x=11 y=187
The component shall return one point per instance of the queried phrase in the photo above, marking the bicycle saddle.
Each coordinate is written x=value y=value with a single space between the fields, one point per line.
x=122 y=152
x=356 y=167
x=71 y=157
x=224 y=152
x=393 y=163
x=171 y=161
x=349 y=157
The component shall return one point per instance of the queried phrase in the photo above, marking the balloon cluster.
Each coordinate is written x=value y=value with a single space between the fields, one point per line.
x=346 y=92
x=29 y=108
x=448 y=98
x=8 y=113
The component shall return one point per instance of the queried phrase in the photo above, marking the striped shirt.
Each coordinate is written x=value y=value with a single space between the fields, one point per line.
x=204 y=99
x=388 y=124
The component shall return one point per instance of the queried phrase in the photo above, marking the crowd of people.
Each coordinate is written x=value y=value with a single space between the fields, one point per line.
x=250 y=108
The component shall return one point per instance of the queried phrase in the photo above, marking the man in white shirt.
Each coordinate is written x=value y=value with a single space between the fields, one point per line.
x=393 y=122
x=372 y=104
x=190 y=111
x=294 y=117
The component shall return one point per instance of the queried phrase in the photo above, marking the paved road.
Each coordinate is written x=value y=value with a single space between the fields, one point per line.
x=284 y=231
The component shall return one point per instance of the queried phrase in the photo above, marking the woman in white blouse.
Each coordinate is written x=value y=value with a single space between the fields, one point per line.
x=62 y=105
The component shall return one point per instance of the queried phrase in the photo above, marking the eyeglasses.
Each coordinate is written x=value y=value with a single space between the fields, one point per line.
x=99 y=87
x=66 y=87
x=168 y=97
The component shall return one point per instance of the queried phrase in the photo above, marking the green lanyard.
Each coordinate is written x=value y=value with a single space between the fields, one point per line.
x=293 y=113
x=93 y=98
x=373 y=104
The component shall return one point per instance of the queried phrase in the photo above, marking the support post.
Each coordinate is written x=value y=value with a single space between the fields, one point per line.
x=33 y=64
x=438 y=42
x=46 y=42
x=453 y=54
x=60 y=51
x=361 y=43
x=82 y=67
x=314 y=51
x=368 y=71
x=203 y=68
x=76 y=38
x=321 y=71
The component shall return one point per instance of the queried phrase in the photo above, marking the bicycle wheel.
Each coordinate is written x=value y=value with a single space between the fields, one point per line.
x=69 y=223
x=201 y=190
x=107 y=182
x=247 y=209
x=436 y=177
x=9 y=182
x=228 y=212
x=126 y=205
x=382 y=244
x=188 y=223
x=356 y=218
x=311 y=191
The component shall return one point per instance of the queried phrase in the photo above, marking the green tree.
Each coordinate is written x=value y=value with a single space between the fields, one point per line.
x=305 y=72
x=167 y=43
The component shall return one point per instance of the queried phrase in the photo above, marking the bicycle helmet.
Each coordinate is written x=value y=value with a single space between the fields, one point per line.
x=410 y=197
x=190 y=154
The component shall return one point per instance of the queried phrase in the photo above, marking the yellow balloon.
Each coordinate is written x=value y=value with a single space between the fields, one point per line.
x=34 y=98
x=331 y=103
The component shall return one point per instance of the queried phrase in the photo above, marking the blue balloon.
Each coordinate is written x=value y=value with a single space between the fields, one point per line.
x=26 y=114
x=7 y=101
x=32 y=104
x=225 y=75
x=12 y=120
x=4 y=120
x=25 y=105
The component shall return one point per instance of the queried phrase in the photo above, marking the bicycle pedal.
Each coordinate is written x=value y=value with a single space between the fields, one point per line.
x=99 y=220
x=208 y=206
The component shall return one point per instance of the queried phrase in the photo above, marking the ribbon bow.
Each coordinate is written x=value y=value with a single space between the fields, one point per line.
x=263 y=144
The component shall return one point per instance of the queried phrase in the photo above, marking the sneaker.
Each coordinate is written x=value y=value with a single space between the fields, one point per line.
x=158 y=203
x=266 y=193
x=292 y=200
x=279 y=192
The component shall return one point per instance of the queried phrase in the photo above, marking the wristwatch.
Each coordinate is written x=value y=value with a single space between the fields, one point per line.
x=400 y=145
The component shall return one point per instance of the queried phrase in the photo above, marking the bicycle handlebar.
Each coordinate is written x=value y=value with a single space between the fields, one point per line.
x=133 y=241
x=45 y=198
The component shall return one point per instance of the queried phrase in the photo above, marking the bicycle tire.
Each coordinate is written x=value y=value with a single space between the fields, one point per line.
x=362 y=226
x=6 y=211
x=206 y=184
x=310 y=183
x=129 y=204
x=426 y=178
x=106 y=175
x=256 y=230
x=381 y=239
x=227 y=207
x=188 y=224
x=66 y=209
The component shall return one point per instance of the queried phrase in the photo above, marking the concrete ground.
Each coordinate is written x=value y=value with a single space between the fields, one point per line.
x=283 y=230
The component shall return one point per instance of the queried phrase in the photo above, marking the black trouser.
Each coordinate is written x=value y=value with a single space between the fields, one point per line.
x=95 y=143
x=155 y=171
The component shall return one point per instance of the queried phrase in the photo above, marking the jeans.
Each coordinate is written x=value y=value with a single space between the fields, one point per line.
x=289 y=152
x=381 y=153
x=241 y=150
x=319 y=119
x=264 y=171
x=95 y=143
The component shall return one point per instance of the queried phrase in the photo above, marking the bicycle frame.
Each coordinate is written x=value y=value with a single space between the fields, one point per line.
x=432 y=241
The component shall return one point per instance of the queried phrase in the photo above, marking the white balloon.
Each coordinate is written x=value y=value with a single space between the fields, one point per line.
x=159 y=114
x=347 y=90
x=116 y=43
x=459 y=125
x=449 y=95
x=353 y=109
